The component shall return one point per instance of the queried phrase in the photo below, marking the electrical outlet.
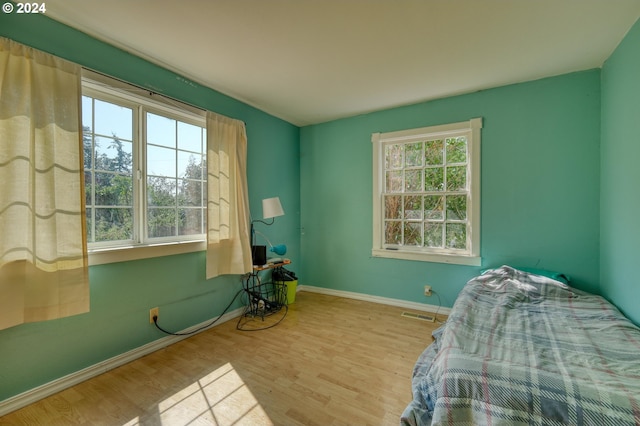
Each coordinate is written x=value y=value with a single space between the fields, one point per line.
x=153 y=312
x=427 y=290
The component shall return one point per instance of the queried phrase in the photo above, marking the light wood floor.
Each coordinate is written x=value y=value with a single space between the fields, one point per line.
x=331 y=361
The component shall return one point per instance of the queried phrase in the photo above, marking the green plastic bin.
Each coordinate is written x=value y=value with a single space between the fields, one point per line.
x=292 y=287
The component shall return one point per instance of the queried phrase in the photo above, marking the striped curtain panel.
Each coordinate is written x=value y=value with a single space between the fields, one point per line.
x=228 y=243
x=43 y=252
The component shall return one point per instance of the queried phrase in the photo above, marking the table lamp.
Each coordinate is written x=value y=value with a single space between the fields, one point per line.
x=271 y=208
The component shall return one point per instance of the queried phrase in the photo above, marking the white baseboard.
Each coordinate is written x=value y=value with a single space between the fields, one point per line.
x=377 y=299
x=32 y=395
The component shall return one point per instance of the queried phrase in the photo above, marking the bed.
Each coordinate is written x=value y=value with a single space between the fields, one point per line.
x=520 y=348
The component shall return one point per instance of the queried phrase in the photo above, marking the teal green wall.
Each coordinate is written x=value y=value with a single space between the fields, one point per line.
x=122 y=293
x=620 y=196
x=540 y=179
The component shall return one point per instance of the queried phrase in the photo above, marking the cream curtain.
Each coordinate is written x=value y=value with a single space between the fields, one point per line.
x=228 y=243
x=43 y=256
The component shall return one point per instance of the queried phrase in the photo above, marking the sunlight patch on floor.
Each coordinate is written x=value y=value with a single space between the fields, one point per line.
x=220 y=398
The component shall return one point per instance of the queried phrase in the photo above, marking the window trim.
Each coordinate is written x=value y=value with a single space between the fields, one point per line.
x=101 y=256
x=142 y=101
x=473 y=258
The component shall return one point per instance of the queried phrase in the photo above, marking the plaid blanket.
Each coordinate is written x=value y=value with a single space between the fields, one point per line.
x=523 y=349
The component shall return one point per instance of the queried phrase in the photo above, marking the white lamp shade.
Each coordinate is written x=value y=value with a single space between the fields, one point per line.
x=271 y=207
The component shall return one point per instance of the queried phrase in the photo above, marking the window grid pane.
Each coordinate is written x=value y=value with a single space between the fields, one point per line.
x=393 y=207
x=433 y=235
x=393 y=181
x=176 y=179
x=457 y=150
x=413 y=155
x=394 y=156
x=393 y=232
x=108 y=164
x=413 y=234
x=433 y=153
x=432 y=178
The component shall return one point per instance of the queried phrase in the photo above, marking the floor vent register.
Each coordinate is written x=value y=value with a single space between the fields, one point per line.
x=418 y=316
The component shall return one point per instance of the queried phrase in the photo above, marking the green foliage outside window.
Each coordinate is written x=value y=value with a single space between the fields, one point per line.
x=426 y=192
x=175 y=205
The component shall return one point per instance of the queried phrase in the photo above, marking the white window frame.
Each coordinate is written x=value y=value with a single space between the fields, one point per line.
x=141 y=101
x=471 y=256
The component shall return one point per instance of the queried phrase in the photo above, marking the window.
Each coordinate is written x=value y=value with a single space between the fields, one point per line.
x=426 y=193
x=145 y=169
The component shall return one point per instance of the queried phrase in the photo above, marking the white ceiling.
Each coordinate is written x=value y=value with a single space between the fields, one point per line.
x=311 y=61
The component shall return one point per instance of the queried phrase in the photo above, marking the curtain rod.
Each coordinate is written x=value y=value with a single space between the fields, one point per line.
x=150 y=91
